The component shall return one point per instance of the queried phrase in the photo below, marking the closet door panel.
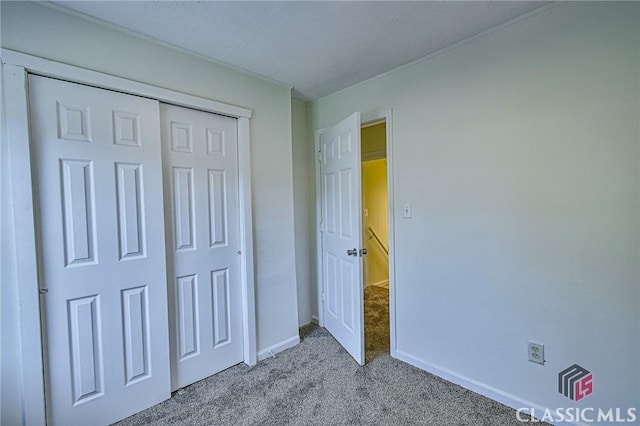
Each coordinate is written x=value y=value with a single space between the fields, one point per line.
x=99 y=197
x=203 y=247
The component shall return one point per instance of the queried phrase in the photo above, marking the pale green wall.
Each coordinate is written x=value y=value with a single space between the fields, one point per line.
x=519 y=151
x=304 y=207
x=45 y=32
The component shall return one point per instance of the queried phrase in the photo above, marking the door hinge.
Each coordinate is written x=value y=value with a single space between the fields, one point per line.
x=321 y=228
x=322 y=296
x=319 y=156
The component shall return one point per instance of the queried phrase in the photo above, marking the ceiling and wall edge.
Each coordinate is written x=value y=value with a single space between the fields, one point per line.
x=136 y=34
x=294 y=93
x=441 y=51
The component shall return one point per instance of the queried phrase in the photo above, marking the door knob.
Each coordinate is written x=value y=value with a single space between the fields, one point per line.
x=353 y=252
x=363 y=252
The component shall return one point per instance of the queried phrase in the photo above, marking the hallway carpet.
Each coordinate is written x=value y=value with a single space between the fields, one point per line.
x=318 y=383
x=376 y=321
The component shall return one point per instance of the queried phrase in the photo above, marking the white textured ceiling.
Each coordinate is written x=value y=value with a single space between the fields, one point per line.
x=315 y=47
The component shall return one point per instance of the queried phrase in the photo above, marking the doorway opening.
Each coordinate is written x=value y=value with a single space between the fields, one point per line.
x=375 y=233
x=342 y=236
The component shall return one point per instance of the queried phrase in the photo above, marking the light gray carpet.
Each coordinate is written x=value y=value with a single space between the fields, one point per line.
x=318 y=383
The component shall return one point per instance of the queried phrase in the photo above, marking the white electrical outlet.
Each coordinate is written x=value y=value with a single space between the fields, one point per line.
x=535 y=351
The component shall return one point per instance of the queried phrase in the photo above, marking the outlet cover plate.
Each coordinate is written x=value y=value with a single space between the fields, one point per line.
x=535 y=352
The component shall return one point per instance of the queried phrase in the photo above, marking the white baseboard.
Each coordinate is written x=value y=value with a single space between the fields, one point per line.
x=278 y=347
x=475 y=386
x=315 y=319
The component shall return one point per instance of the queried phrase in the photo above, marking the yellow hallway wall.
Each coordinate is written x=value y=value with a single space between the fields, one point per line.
x=374 y=194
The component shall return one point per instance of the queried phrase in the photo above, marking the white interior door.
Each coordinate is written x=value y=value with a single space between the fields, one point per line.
x=98 y=185
x=341 y=228
x=203 y=242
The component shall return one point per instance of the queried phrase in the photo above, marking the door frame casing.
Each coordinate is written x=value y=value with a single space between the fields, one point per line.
x=16 y=67
x=365 y=119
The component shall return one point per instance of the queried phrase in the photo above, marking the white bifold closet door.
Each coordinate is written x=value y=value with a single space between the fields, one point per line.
x=203 y=242
x=99 y=199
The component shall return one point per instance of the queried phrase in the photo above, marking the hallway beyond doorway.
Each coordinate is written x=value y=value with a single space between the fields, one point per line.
x=376 y=322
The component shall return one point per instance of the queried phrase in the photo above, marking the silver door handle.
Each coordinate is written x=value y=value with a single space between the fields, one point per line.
x=353 y=252
x=363 y=252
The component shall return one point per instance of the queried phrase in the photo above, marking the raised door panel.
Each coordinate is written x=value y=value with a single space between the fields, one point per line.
x=74 y=122
x=332 y=284
x=126 y=129
x=181 y=137
x=217 y=208
x=188 y=317
x=87 y=351
x=346 y=201
x=221 y=309
x=183 y=208
x=78 y=211
x=131 y=217
x=135 y=318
